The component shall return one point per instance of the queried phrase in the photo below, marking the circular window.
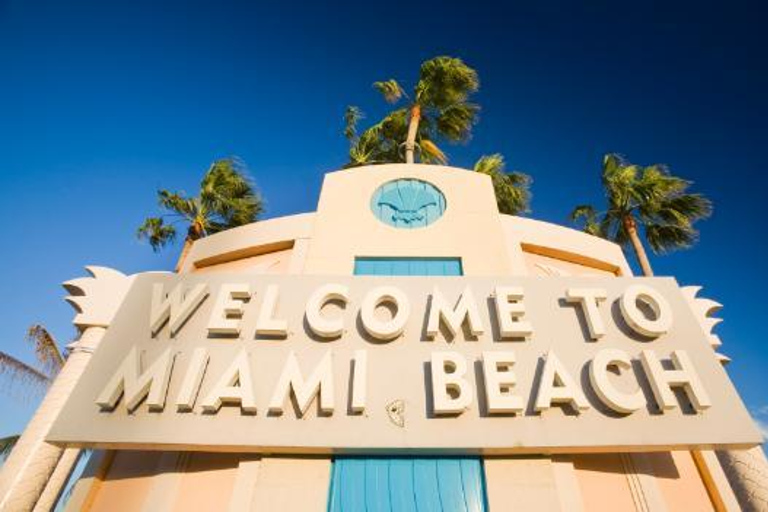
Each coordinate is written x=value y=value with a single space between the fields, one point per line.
x=408 y=203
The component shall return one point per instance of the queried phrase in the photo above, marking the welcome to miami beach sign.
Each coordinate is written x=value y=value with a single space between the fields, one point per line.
x=371 y=364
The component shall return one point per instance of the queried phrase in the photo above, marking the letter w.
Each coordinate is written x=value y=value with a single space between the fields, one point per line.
x=174 y=307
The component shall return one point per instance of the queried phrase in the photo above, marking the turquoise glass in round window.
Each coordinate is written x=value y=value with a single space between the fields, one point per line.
x=408 y=203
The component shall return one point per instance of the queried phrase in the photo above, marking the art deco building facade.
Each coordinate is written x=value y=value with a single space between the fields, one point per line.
x=406 y=220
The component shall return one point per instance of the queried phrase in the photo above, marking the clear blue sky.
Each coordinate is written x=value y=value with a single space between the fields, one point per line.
x=101 y=103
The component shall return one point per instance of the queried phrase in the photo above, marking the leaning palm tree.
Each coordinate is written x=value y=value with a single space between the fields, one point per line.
x=438 y=108
x=35 y=378
x=227 y=199
x=512 y=189
x=647 y=199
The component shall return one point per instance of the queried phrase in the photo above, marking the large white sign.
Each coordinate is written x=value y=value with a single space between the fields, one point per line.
x=362 y=364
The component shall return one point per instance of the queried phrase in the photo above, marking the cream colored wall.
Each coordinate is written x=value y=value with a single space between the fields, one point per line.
x=250 y=240
x=540 y=265
x=276 y=262
x=680 y=481
x=326 y=242
x=603 y=482
x=207 y=481
x=127 y=484
x=346 y=227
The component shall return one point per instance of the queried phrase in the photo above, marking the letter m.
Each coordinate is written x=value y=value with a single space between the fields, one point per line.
x=127 y=380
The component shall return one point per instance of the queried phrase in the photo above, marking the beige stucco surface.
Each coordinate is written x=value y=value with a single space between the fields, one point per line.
x=521 y=484
x=345 y=226
x=603 y=482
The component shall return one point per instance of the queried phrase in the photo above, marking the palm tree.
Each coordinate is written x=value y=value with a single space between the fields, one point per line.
x=438 y=109
x=512 y=189
x=649 y=198
x=50 y=360
x=226 y=199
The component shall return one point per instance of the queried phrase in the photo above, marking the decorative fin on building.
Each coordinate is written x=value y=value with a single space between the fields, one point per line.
x=97 y=298
x=704 y=309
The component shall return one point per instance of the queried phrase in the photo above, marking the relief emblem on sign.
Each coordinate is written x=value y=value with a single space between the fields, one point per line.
x=408 y=203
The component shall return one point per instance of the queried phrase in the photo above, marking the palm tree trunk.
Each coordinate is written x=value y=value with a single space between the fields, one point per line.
x=413 y=128
x=642 y=257
x=27 y=470
x=184 y=253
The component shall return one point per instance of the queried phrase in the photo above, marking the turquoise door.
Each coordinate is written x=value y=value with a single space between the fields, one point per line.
x=419 y=484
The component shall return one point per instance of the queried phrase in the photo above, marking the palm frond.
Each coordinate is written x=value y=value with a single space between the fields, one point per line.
x=587 y=216
x=6 y=445
x=445 y=81
x=227 y=196
x=455 y=122
x=583 y=211
x=390 y=89
x=157 y=232
x=664 y=238
x=430 y=153
x=177 y=204
x=512 y=189
x=46 y=349
x=488 y=164
x=352 y=116
x=17 y=373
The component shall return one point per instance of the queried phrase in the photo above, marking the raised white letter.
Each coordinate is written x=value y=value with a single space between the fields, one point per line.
x=235 y=386
x=609 y=395
x=228 y=310
x=385 y=329
x=635 y=317
x=266 y=323
x=359 y=381
x=558 y=387
x=683 y=376
x=185 y=400
x=499 y=377
x=321 y=326
x=453 y=318
x=451 y=394
x=589 y=299
x=174 y=306
x=510 y=310
x=128 y=380
x=319 y=382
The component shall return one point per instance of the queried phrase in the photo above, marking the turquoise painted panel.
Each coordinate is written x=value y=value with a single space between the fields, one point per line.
x=407 y=484
x=391 y=266
x=426 y=482
x=408 y=203
x=377 y=487
x=473 y=483
x=402 y=490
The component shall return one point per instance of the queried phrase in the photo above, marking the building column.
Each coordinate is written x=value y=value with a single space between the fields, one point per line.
x=58 y=479
x=33 y=460
x=27 y=470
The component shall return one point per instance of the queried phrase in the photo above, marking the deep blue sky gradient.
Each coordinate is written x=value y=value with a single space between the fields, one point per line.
x=102 y=103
